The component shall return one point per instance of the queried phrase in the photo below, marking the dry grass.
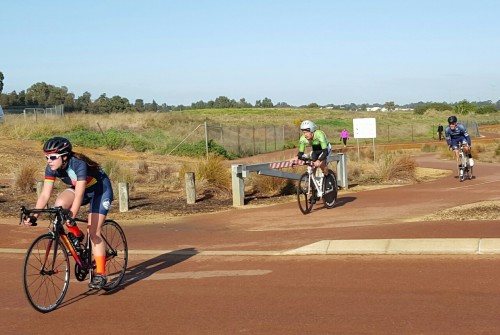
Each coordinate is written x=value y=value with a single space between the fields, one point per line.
x=486 y=210
x=213 y=178
x=119 y=173
x=395 y=168
x=271 y=186
x=25 y=178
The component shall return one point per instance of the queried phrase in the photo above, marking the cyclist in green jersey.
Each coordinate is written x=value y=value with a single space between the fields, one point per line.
x=318 y=140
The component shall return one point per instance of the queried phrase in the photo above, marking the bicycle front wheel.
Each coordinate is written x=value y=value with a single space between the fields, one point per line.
x=470 y=174
x=46 y=274
x=116 y=253
x=330 y=195
x=305 y=196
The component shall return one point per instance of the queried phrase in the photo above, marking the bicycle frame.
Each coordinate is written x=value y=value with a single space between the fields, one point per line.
x=464 y=166
x=49 y=255
x=317 y=182
x=59 y=235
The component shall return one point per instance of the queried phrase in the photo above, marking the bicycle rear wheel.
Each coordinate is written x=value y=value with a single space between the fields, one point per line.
x=330 y=195
x=303 y=196
x=46 y=274
x=116 y=253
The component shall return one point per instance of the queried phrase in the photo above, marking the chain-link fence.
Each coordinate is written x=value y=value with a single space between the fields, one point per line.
x=34 y=113
x=252 y=140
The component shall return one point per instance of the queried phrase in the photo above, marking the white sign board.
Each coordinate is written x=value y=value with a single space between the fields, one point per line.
x=364 y=128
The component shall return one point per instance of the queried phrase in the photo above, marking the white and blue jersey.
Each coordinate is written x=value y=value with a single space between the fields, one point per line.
x=98 y=192
x=455 y=137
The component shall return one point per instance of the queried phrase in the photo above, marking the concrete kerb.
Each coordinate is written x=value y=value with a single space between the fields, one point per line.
x=423 y=246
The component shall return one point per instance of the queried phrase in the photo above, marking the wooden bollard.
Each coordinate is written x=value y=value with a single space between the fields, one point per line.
x=190 y=188
x=123 y=196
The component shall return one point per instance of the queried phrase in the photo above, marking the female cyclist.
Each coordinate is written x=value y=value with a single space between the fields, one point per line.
x=87 y=184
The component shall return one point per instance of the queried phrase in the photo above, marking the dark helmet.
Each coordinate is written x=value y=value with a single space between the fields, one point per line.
x=452 y=119
x=57 y=145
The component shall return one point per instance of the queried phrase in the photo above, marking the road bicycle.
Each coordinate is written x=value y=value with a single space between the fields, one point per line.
x=46 y=273
x=465 y=167
x=313 y=186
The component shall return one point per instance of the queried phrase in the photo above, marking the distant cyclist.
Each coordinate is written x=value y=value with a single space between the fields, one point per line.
x=456 y=135
x=318 y=140
x=86 y=184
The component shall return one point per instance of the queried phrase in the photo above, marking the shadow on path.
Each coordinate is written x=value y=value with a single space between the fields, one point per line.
x=146 y=269
x=139 y=272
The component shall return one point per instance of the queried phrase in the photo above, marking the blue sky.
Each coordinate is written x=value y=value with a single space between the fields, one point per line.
x=299 y=52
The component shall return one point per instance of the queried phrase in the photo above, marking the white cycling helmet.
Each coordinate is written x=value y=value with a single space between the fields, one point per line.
x=308 y=125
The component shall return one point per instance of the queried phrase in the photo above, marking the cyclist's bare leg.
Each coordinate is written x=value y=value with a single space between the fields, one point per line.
x=96 y=221
x=65 y=198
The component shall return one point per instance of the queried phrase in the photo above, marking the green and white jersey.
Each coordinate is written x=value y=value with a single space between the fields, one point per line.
x=319 y=142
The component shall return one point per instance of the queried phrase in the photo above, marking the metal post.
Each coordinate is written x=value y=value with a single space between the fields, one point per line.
x=237 y=185
x=206 y=138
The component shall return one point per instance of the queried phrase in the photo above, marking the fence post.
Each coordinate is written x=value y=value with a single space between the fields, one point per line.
x=239 y=150
x=253 y=139
x=274 y=129
x=123 y=196
x=265 y=139
x=190 y=188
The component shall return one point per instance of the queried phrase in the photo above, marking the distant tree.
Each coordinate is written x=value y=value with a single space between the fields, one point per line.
x=464 y=107
x=498 y=105
x=37 y=94
x=100 y=105
x=486 y=109
x=84 y=103
x=390 y=105
x=223 y=102
x=69 y=102
x=266 y=103
x=56 y=95
x=199 y=105
x=244 y=104
x=117 y=104
x=139 y=105
x=155 y=106
x=313 y=105
x=282 y=105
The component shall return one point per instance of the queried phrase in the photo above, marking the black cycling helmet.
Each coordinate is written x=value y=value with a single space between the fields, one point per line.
x=452 y=119
x=57 y=145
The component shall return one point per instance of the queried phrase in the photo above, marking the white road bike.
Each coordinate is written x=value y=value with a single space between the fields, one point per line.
x=313 y=186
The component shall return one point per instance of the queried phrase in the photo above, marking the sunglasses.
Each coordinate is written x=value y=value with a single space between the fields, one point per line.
x=53 y=157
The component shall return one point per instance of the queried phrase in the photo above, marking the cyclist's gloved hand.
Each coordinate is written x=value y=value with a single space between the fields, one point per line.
x=71 y=222
x=30 y=220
